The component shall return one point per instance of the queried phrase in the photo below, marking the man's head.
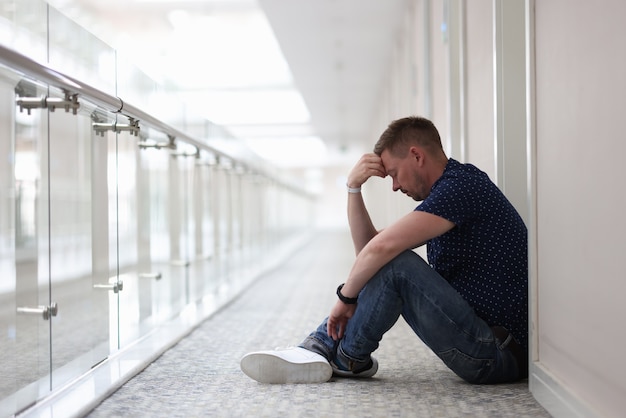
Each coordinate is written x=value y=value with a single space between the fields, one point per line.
x=411 y=152
x=405 y=132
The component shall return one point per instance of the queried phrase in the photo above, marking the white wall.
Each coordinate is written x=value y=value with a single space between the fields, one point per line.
x=580 y=79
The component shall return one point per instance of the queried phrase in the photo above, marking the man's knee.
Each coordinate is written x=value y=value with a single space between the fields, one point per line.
x=395 y=269
x=406 y=261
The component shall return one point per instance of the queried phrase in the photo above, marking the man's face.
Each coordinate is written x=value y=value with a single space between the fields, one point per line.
x=406 y=174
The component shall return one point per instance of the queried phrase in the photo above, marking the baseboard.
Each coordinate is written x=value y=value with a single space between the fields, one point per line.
x=555 y=397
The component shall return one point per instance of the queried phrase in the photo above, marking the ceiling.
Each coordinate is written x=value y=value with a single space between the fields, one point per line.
x=338 y=51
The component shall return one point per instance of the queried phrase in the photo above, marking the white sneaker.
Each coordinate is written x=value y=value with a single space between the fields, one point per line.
x=291 y=365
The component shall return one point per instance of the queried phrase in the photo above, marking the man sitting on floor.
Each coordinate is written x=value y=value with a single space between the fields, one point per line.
x=469 y=303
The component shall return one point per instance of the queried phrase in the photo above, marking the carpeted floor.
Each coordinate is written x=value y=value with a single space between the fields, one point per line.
x=200 y=376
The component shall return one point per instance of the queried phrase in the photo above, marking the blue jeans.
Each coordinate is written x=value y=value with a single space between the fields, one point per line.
x=440 y=317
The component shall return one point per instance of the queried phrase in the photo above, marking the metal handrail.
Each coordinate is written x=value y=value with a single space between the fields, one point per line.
x=41 y=72
x=38 y=71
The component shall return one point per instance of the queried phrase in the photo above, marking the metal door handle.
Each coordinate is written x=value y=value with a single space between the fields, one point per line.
x=115 y=287
x=45 y=311
x=156 y=276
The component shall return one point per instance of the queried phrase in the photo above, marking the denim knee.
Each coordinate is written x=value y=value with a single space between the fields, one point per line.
x=397 y=269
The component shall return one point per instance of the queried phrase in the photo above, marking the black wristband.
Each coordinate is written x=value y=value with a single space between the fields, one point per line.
x=346 y=300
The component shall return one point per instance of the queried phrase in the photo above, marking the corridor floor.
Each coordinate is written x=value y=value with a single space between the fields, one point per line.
x=200 y=376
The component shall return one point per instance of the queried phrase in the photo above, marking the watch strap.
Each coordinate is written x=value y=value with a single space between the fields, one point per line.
x=344 y=299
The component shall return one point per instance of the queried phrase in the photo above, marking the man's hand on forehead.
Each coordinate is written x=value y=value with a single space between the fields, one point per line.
x=368 y=165
x=384 y=168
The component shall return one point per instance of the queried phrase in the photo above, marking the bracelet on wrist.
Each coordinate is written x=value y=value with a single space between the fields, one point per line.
x=353 y=189
x=344 y=299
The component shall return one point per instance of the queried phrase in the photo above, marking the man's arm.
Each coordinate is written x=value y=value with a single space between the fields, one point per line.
x=409 y=232
x=361 y=226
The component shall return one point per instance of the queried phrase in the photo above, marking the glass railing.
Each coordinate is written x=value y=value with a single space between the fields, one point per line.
x=113 y=220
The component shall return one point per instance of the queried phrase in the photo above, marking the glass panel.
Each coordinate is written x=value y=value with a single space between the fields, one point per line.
x=221 y=197
x=81 y=329
x=187 y=156
x=201 y=228
x=78 y=172
x=175 y=293
x=75 y=52
x=24 y=266
x=24 y=27
x=247 y=209
x=158 y=272
x=157 y=169
x=25 y=288
x=153 y=238
x=148 y=277
x=236 y=229
x=135 y=86
x=128 y=234
x=158 y=165
x=9 y=378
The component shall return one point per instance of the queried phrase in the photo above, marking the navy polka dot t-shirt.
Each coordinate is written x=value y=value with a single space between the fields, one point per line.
x=485 y=256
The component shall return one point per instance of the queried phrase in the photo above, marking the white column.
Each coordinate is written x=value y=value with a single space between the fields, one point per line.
x=510 y=102
x=455 y=23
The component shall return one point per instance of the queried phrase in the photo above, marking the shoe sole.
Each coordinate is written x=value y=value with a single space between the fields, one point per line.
x=267 y=368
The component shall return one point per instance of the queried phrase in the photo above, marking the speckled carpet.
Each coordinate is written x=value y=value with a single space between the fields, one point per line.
x=200 y=376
